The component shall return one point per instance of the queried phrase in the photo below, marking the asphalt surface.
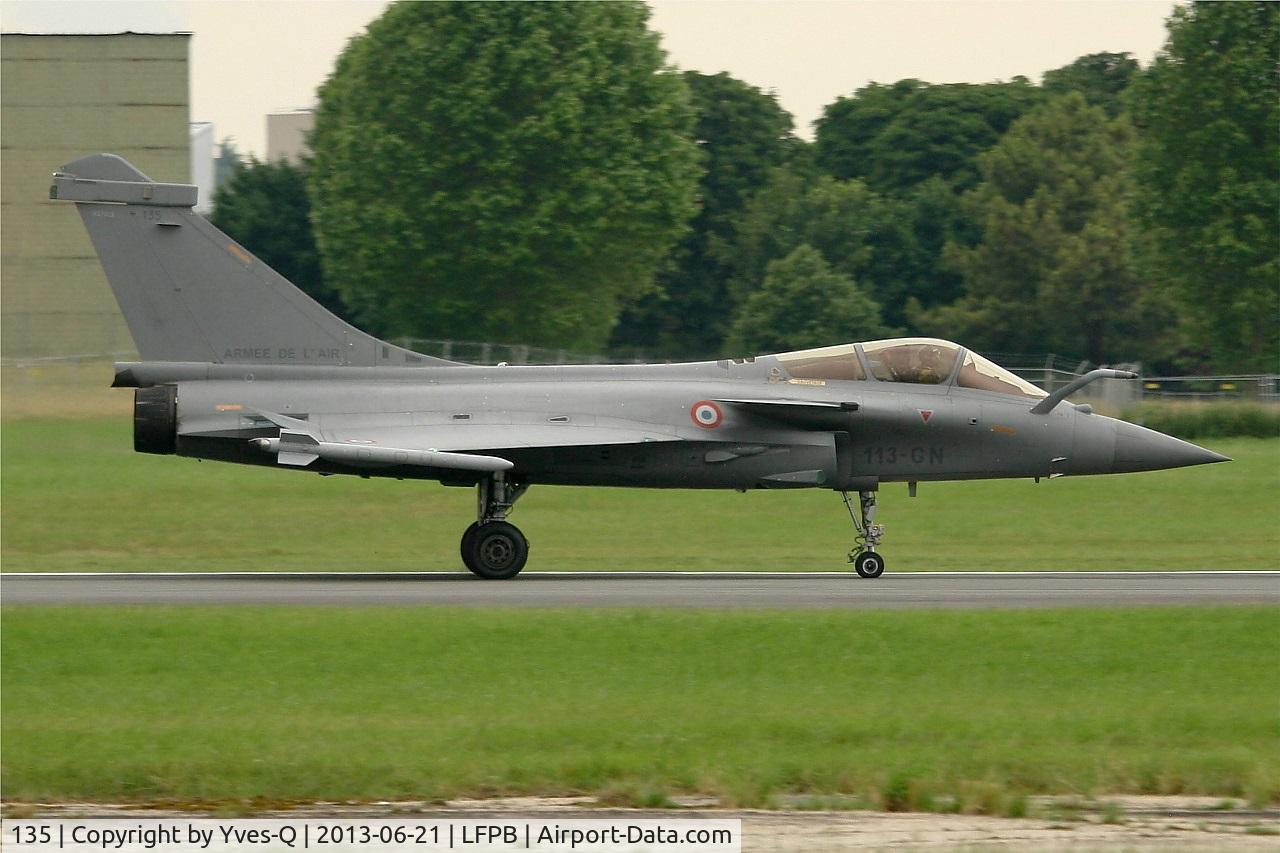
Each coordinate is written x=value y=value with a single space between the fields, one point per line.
x=949 y=590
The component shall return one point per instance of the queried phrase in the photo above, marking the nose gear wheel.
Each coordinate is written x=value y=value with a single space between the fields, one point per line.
x=866 y=561
x=868 y=564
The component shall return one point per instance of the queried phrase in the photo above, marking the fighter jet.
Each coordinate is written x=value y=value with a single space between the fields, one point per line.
x=238 y=365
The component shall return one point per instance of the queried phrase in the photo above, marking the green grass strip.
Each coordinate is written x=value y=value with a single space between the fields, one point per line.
x=898 y=708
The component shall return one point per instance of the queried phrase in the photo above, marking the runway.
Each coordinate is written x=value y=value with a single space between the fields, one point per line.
x=787 y=591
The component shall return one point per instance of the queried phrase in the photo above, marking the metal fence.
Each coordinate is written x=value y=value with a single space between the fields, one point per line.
x=1263 y=388
x=1051 y=372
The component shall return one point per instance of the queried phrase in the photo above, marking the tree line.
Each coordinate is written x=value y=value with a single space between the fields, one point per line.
x=535 y=173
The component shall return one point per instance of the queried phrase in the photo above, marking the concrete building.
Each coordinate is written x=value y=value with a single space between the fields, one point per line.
x=61 y=97
x=287 y=135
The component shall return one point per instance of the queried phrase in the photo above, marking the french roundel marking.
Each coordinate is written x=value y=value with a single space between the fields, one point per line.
x=706 y=414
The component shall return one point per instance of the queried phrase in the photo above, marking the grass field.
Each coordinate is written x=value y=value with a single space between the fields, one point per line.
x=77 y=498
x=215 y=703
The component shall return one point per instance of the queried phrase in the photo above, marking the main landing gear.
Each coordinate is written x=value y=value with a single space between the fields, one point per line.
x=866 y=561
x=492 y=548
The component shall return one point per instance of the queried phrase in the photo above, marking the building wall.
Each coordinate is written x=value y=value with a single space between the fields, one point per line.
x=203 y=174
x=62 y=97
x=287 y=135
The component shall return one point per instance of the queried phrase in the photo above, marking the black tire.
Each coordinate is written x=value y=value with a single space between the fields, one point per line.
x=868 y=564
x=465 y=547
x=495 y=551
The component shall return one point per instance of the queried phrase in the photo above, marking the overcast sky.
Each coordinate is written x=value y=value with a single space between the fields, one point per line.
x=252 y=58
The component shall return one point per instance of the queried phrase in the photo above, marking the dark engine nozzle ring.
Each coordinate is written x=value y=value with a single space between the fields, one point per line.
x=155 y=419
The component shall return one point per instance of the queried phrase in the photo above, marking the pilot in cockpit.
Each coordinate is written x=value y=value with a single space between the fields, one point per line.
x=933 y=368
x=923 y=365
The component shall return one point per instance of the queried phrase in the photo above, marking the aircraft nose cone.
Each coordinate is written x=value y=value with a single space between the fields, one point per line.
x=1142 y=449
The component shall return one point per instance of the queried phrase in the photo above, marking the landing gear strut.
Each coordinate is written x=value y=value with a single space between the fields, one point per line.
x=492 y=548
x=866 y=562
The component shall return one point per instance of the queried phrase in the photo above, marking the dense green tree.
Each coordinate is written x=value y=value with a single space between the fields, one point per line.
x=505 y=171
x=264 y=206
x=743 y=134
x=890 y=246
x=905 y=268
x=835 y=218
x=896 y=136
x=803 y=303
x=1101 y=77
x=1208 y=175
x=1054 y=269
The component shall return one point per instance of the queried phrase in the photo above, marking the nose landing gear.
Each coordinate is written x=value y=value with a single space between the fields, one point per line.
x=491 y=547
x=866 y=561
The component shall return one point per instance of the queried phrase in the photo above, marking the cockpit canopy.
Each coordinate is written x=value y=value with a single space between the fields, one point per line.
x=919 y=361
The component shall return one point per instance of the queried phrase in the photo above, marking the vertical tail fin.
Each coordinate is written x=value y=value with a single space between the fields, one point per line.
x=191 y=293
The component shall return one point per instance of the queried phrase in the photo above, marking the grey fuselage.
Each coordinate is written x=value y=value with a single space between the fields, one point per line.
x=882 y=432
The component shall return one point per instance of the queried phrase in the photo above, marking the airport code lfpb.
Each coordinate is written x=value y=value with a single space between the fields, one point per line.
x=174 y=835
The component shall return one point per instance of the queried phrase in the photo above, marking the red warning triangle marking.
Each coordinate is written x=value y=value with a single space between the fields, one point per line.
x=925 y=414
